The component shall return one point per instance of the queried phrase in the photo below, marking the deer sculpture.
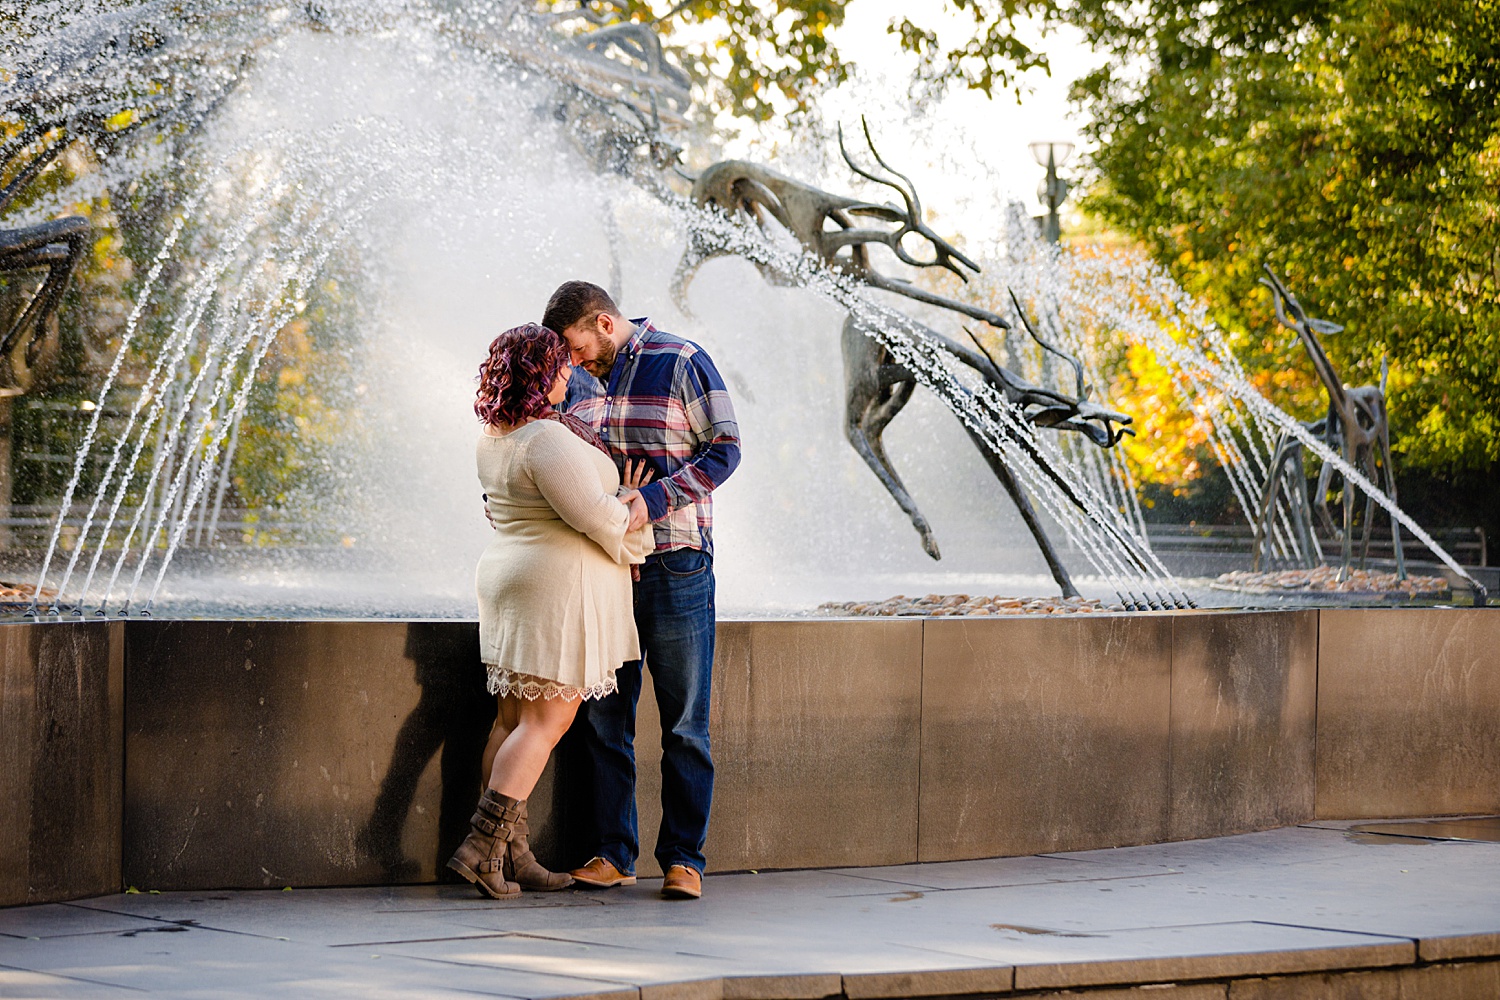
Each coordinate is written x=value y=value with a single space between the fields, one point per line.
x=1356 y=427
x=839 y=232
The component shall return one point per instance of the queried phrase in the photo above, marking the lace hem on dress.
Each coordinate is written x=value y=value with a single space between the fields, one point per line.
x=510 y=682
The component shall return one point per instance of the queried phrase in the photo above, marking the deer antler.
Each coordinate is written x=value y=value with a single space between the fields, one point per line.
x=943 y=254
x=1070 y=359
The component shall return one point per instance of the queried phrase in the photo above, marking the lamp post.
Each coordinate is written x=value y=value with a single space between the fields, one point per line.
x=1053 y=189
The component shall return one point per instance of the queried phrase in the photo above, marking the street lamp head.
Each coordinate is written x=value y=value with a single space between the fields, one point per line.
x=1060 y=152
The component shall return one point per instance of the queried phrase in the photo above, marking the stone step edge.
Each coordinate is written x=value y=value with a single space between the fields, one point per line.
x=1029 y=978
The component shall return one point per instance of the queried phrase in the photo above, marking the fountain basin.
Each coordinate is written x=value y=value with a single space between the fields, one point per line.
x=219 y=754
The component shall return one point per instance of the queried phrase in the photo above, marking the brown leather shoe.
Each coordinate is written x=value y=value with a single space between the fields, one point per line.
x=682 y=882
x=600 y=874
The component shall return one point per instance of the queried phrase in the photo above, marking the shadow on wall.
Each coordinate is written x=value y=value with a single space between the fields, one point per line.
x=452 y=716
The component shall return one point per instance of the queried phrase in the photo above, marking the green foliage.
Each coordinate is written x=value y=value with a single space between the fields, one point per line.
x=773 y=57
x=760 y=59
x=1354 y=146
x=989 y=59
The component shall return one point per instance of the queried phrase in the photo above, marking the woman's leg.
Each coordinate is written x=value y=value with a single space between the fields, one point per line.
x=507 y=717
x=496 y=855
x=522 y=755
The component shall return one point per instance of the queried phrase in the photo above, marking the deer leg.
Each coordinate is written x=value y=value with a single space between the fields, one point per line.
x=1388 y=480
x=1366 y=458
x=874 y=394
x=1325 y=477
x=1267 y=502
x=1312 y=555
x=1347 y=541
x=1028 y=514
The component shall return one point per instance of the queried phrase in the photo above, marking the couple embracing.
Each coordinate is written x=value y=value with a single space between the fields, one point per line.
x=598 y=482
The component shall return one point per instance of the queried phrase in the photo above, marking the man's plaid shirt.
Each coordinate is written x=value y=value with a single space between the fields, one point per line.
x=665 y=402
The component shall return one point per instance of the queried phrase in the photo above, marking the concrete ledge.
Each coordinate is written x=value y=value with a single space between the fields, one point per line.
x=345 y=753
x=1477 y=981
x=1440 y=949
x=1408 y=712
x=780 y=987
x=1167 y=969
x=936 y=983
x=61 y=765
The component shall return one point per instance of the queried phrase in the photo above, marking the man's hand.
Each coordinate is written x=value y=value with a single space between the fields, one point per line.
x=637 y=474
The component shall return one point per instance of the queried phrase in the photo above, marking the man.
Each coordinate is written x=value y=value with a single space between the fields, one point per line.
x=654 y=396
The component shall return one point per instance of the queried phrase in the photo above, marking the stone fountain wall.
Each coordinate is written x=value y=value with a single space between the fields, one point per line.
x=219 y=754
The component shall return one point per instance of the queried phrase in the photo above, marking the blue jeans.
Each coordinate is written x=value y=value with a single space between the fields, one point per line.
x=674 y=613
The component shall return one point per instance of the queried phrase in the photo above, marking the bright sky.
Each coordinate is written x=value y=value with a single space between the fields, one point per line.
x=968 y=155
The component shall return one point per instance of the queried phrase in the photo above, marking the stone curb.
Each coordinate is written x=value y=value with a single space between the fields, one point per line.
x=1391 y=954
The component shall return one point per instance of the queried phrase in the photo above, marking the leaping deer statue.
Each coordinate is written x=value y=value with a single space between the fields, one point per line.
x=1355 y=426
x=876 y=388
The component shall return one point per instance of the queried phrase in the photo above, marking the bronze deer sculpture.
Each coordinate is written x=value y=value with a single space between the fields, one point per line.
x=1356 y=426
x=831 y=228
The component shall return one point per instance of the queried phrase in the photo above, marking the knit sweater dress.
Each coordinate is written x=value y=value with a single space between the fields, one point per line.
x=555 y=610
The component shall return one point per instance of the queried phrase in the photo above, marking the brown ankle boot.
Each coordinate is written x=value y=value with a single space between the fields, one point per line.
x=482 y=857
x=522 y=865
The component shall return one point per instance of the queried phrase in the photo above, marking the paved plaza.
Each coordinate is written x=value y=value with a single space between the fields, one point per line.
x=1208 y=915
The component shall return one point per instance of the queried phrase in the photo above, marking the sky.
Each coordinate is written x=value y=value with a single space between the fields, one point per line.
x=968 y=154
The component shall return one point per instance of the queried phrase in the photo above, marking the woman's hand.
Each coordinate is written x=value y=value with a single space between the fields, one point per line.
x=636 y=505
x=637 y=474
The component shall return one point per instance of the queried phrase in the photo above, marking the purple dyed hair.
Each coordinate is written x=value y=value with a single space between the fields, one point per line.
x=518 y=373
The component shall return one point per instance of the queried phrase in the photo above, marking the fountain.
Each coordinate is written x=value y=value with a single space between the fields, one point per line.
x=320 y=188
x=336 y=205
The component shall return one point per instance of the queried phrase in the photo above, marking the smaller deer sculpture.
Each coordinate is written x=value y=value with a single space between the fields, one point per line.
x=1355 y=426
x=839 y=231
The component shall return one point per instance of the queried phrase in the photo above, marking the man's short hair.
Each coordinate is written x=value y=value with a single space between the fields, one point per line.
x=576 y=300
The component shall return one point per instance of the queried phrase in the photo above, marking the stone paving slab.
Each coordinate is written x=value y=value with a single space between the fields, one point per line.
x=1314 y=904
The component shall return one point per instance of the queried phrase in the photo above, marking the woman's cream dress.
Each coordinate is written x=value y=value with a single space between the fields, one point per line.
x=555 y=613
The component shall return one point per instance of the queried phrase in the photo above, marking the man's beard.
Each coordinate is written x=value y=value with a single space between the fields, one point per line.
x=600 y=366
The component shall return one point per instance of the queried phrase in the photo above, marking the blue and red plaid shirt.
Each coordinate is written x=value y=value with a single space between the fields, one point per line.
x=665 y=402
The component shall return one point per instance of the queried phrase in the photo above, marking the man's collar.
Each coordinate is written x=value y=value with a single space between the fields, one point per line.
x=639 y=328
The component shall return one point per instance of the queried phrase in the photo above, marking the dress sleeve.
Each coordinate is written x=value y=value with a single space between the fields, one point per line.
x=565 y=476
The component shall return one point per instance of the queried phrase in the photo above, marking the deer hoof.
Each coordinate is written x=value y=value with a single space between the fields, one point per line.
x=930 y=545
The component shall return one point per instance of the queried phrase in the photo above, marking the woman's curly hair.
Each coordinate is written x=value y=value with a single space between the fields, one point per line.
x=518 y=373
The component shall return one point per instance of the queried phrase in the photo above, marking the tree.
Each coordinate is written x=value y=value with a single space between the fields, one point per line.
x=1353 y=145
x=762 y=58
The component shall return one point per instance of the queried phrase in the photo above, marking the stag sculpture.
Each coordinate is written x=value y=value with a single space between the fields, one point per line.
x=839 y=231
x=1355 y=427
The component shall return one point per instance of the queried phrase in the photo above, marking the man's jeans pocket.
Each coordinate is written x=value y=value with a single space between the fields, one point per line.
x=684 y=562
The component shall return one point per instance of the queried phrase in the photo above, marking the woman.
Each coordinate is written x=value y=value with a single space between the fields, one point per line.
x=555 y=619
